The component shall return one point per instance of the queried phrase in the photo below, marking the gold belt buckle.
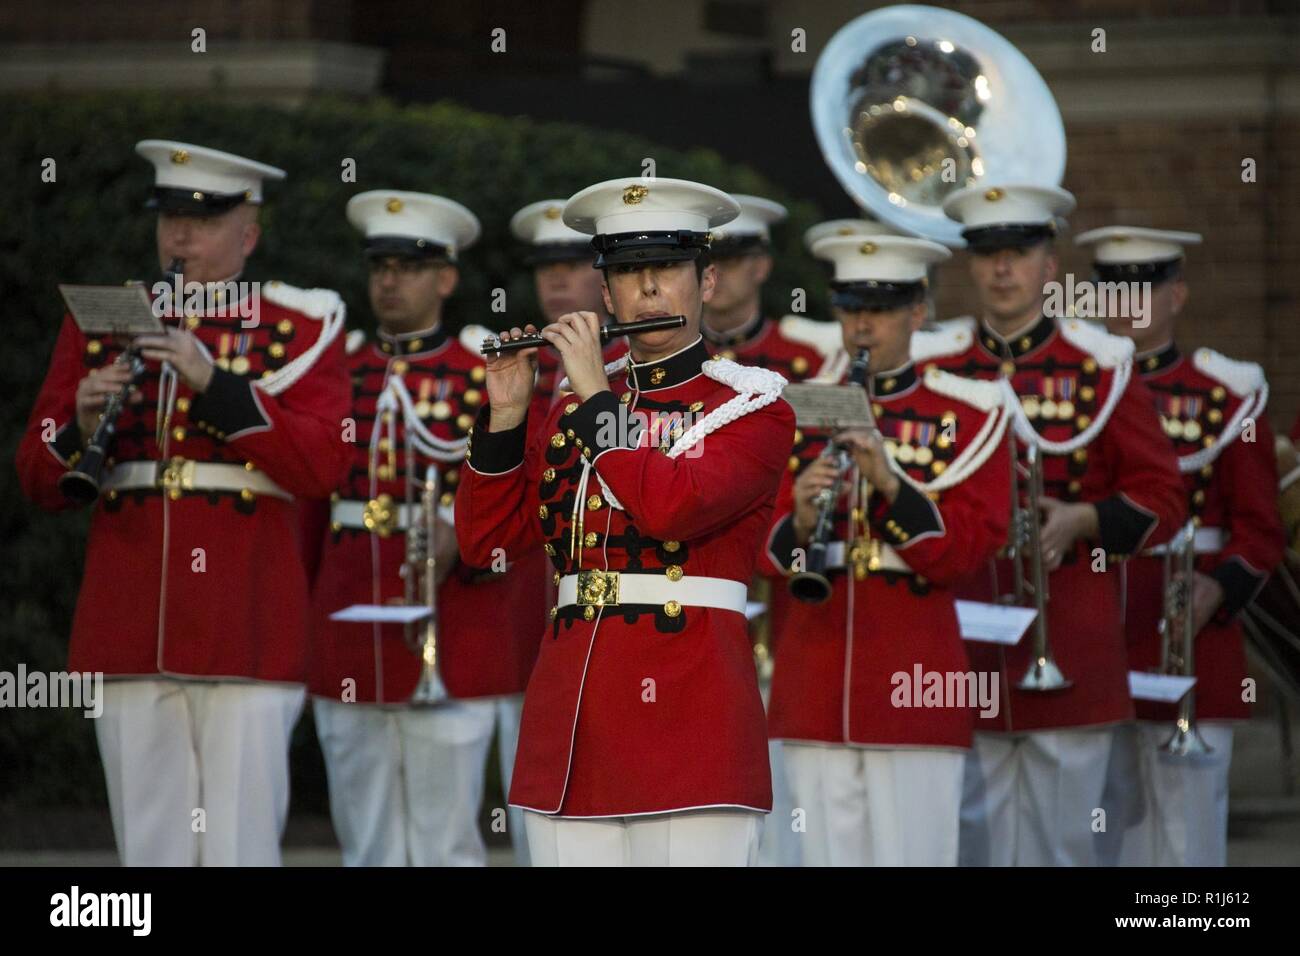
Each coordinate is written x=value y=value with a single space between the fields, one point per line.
x=597 y=588
x=177 y=476
x=380 y=516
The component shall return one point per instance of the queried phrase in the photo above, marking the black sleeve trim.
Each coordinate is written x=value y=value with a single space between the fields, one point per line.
x=603 y=424
x=912 y=516
x=1239 y=586
x=495 y=453
x=781 y=544
x=67 y=443
x=228 y=407
x=1122 y=526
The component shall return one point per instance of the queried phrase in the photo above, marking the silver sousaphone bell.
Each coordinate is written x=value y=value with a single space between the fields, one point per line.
x=911 y=103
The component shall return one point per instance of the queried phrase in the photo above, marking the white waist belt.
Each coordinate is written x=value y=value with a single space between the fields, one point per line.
x=635 y=587
x=350 y=513
x=180 y=474
x=889 y=559
x=1208 y=541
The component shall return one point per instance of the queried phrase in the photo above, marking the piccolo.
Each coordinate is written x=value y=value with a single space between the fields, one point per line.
x=495 y=345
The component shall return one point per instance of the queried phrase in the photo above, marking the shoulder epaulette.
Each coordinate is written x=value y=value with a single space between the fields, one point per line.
x=313 y=303
x=472 y=336
x=824 y=337
x=355 y=341
x=1240 y=378
x=945 y=338
x=1109 y=350
x=986 y=396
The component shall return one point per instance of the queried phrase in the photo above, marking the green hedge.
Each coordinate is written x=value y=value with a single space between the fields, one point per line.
x=88 y=226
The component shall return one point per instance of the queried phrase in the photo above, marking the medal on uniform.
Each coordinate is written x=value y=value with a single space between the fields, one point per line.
x=240 y=363
x=1030 y=405
x=424 y=407
x=1191 y=429
x=1065 y=405
x=223 y=352
x=1048 y=406
x=442 y=410
x=1175 y=428
x=924 y=456
x=906 y=454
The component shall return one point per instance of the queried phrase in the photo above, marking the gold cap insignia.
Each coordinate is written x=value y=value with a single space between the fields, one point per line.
x=553 y=212
x=393 y=205
x=634 y=194
x=843 y=231
x=180 y=156
x=867 y=248
x=993 y=195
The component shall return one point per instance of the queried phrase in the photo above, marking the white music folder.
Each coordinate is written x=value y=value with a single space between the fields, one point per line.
x=381 y=614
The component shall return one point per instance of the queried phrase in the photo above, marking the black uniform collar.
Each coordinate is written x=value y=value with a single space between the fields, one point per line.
x=409 y=343
x=667 y=372
x=1154 y=362
x=1021 y=343
x=737 y=336
x=893 y=382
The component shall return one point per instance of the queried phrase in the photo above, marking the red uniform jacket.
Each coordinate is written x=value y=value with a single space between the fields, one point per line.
x=796 y=348
x=640 y=708
x=487 y=625
x=1229 y=485
x=837 y=676
x=189 y=582
x=1064 y=374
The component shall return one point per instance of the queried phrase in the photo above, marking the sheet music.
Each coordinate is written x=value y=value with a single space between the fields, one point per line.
x=111 y=309
x=1161 y=688
x=993 y=623
x=830 y=407
x=381 y=613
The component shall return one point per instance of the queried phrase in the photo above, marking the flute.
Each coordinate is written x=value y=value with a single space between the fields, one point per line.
x=495 y=345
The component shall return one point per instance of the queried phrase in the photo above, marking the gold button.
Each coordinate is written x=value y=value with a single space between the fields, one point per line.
x=249 y=466
x=451 y=477
x=674 y=572
x=1217 y=393
x=192 y=322
x=1207 y=471
x=1087 y=393
x=938 y=467
x=174 y=494
x=557 y=440
x=1090 y=365
x=554 y=612
x=284 y=326
x=1215 y=416
x=473 y=396
x=275 y=350
x=699 y=406
x=586 y=453
x=549 y=548
x=877 y=409
x=246 y=494
x=463 y=422
x=446 y=499
x=414 y=345
x=799 y=365
x=178 y=434
x=588 y=613
x=657 y=375
x=672 y=609
x=570 y=408
x=555 y=578
x=543 y=512
x=1198 y=497
x=594 y=503
x=94 y=347
x=1024 y=343
x=1074 y=487
x=183 y=404
x=1208 y=441
x=401 y=367
x=477 y=374
x=1008 y=368
x=672 y=547
x=590 y=540
x=727 y=354
x=793 y=463
x=548 y=475
x=383 y=472
x=1083 y=421
x=1080 y=455
x=798 y=436
x=625 y=398
x=570 y=432
x=385 y=444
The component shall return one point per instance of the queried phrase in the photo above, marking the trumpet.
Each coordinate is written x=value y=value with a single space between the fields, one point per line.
x=419 y=572
x=82 y=483
x=812 y=585
x=1043 y=674
x=1178 y=640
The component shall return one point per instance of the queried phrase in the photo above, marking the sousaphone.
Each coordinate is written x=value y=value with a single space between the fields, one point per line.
x=911 y=103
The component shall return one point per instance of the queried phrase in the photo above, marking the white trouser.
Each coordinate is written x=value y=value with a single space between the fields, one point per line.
x=508 y=711
x=1182 y=817
x=779 y=844
x=1031 y=799
x=197 y=771
x=406 y=783
x=876 y=807
x=685 y=838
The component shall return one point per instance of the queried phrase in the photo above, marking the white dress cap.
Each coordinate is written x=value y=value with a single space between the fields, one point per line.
x=756 y=216
x=993 y=206
x=648 y=205
x=1124 y=245
x=416 y=223
x=892 y=259
x=207 y=180
x=846 y=227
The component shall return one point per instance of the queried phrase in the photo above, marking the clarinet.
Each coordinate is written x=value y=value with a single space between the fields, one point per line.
x=82 y=483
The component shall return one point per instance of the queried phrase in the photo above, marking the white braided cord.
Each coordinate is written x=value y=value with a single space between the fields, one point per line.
x=1248 y=409
x=396 y=396
x=1027 y=434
